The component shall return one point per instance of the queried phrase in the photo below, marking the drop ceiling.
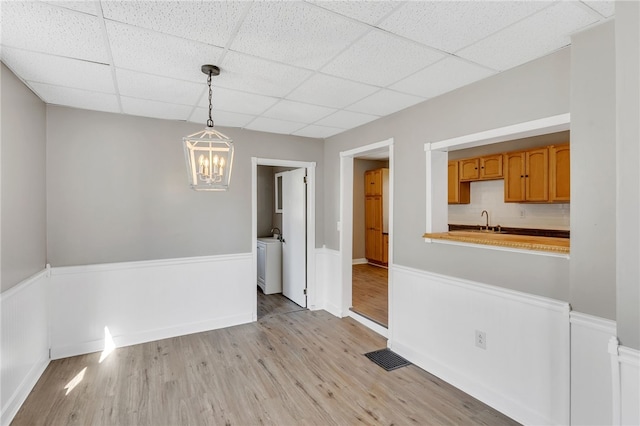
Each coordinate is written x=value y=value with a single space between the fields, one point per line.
x=308 y=68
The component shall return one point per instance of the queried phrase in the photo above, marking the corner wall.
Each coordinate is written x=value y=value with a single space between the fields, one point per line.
x=23 y=214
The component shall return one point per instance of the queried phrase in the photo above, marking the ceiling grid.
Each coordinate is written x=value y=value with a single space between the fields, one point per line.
x=309 y=68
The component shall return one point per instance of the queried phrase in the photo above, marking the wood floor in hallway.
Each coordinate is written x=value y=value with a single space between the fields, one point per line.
x=293 y=367
x=370 y=292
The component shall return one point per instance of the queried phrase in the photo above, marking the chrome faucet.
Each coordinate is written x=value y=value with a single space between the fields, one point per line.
x=482 y=214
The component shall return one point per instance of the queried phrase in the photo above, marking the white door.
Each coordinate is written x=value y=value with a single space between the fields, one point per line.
x=294 y=236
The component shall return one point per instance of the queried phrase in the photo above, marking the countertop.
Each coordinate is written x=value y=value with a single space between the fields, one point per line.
x=524 y=242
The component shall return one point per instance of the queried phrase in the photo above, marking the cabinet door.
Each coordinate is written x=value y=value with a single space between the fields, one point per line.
x=373 y=182
x=537 y=175
x=385 y=248
x=514 y=188
x=559 y=173
x=469 y=169
x=261 y=263
x=459 y=192
x=491 y=167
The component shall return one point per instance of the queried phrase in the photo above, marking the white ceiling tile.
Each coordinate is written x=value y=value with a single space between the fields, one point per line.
x=76 y=98
x=236 y=101
x=381 y=59
x=603 y=7
x=442 y=77
x=331 y=91
x=163 y=89
x=314 y=131
x=48 y=29
x=58 y=71
x=85 y=6
x=297 y=111
x=250 y=74
x=451 y=25
x=221 y=118
x=264 y=124
x=531 y=38
x=385 y=102
x=209 y=22
x=158 y=53
x=285 y=31
x=369 y=12
x=154 y=109
x=346 y=119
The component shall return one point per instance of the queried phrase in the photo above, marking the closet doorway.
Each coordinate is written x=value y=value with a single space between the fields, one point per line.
x=366 y=237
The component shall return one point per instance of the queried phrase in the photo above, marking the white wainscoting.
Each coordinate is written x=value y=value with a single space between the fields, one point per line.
x=524 y=370
x=625 y=373
x=591 y=397
x=328 y=281
x=24 y=342
x=144 y=301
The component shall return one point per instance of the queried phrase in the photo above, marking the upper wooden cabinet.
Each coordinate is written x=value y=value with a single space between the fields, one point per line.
x=373 y=182
x=559 y=173
x=491 y=167
x=469 y=169
x=526 y=176
x=459 y=192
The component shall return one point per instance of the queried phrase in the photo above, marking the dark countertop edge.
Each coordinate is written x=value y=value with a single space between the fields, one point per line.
x=556 y=233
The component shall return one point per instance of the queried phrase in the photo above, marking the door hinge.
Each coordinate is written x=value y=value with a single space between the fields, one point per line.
x=305 y=180
x=305 y=291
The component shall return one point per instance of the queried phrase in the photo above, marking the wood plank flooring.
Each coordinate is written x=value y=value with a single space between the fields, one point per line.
x=297 y=368
x=370 y=293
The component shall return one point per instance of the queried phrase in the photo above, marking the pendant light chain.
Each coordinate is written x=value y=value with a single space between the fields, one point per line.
x=210 y=120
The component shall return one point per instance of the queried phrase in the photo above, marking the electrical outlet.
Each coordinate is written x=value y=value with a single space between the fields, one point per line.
x=522 y=213
x=481 y=339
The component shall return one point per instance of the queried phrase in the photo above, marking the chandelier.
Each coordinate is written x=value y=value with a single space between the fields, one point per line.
x=209 y=153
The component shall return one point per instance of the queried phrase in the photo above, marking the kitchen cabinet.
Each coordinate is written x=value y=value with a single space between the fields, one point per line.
x=373 y=182
x=491 y=167
x=459 y=192
x=269 y=265
x=469 y=169
x=385 y=248
x=559 y=173
x=526 y=176
x=375 y=211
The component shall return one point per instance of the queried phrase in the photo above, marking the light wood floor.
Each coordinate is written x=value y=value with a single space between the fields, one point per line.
x=298 y=368
x=275 y=304
x=370 y=293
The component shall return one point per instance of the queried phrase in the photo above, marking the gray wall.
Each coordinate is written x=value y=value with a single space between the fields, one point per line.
x=22 y=182
x=593 y=171
x=628 y=137
x=359 y=167
x=265 y=200
x=117 y=189
x=535 y=90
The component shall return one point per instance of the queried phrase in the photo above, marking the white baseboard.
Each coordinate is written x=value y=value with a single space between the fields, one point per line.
x=137 y=302
x=359 y=261
x=524 y=370
x=24 y=342
x=369 y=324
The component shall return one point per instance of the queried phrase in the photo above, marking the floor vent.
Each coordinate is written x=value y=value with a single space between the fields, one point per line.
x=387 y=359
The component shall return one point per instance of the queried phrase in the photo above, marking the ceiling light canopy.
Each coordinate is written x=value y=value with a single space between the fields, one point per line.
x=209 y=153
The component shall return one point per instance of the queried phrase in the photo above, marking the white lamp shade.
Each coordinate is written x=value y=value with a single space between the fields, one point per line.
x=209 y=157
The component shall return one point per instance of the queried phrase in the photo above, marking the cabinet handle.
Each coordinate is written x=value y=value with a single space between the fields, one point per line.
x=526 y=175
x=521 y=176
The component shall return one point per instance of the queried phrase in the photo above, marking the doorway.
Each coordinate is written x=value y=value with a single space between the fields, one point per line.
x=380 y=151
x=295 y=241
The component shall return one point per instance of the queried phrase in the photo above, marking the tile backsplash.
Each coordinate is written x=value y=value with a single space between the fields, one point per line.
x=489 y=196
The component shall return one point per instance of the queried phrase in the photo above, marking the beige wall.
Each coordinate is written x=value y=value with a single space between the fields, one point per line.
x=22 y=182
x=593 y=172
x=118 y=191
x=534 y=90
x=628 y=157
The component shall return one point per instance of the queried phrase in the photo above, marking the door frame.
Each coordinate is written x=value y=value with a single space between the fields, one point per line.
x=346 y=232
x=311 y=225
